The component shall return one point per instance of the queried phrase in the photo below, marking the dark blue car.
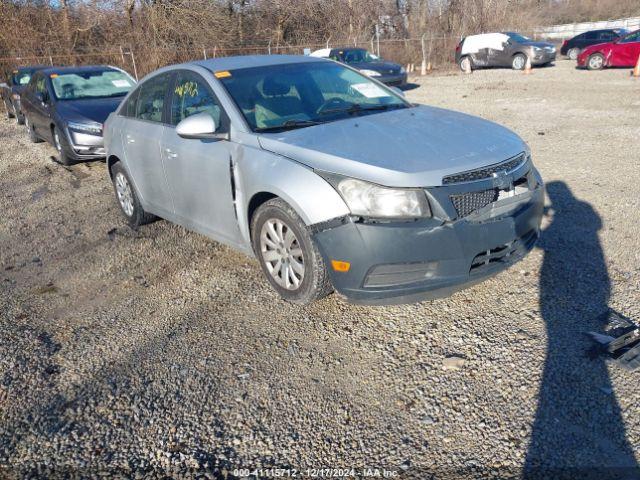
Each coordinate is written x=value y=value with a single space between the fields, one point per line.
x=11 y=91
x=67 y=107
x=389 y=73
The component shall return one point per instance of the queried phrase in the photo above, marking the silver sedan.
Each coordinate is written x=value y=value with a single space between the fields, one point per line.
x=330 y=178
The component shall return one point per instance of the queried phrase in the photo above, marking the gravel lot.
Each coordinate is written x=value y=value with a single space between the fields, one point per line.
x=161 y=353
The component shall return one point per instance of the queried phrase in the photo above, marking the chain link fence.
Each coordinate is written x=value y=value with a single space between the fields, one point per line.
x=423 y=53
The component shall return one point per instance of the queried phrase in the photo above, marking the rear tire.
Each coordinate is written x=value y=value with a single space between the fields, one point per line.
x=287 y=254
x=573 y=54
x=128 y=199
x=462 y=63
x=595 y=62
x=61 y=146
x=33 y=137
x=519 y=61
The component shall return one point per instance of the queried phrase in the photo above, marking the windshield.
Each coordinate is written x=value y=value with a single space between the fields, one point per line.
x=354 y=56
x=21 y=77
x=516 y=37
x=282 y=97
x=92 y=84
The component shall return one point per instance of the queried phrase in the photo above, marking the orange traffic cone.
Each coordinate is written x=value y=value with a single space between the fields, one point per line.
x=527 y=67
x=636 y=69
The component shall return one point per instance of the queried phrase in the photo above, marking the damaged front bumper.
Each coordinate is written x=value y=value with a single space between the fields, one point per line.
x=405 y=262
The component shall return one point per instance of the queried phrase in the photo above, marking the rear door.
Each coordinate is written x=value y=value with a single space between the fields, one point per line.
x=199 y=171
x=625 y=53
x=142 y=138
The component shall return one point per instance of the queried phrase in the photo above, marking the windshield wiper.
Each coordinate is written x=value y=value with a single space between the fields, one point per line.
x=289 y=125
x=359 y=107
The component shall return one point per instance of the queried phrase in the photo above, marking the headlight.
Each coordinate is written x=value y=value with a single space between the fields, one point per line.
x=370 y=73
x=95 y=128
x=370 y=200
x=402 y=70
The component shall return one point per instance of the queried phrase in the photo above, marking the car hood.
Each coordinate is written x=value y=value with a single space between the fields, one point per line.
x=411 y=147
x=383 y=67
x=598 y=47
x=92 y=110
x=18 y=89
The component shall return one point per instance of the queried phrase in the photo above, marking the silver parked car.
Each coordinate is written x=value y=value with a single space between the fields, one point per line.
x=331 y=179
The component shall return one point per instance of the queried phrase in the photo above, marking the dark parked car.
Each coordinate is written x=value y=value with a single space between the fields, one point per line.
x=572 y=48
x=508 y=49
x=67 y=106
x=371 y=65
x=12 y=90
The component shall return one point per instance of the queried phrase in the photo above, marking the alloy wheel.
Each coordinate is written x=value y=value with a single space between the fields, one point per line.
x=518 y=62
x=573 y=53
x=595 y=62
x=56 y=140
x=125 y=195
x=282 y=253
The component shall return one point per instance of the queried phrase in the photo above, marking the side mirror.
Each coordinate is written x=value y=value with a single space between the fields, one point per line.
x=200 y=126
x=398 y=91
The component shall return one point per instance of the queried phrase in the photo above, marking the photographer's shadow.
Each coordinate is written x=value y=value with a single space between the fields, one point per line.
x=578 y=430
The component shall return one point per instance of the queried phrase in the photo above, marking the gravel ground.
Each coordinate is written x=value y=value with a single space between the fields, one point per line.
x=160 y=353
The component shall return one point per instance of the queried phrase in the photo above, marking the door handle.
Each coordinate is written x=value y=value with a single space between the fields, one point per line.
x=171 y=153
x=130 y=139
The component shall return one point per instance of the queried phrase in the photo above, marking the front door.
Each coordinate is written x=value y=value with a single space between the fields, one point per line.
x=40 y=110
x=625 y=53
x=199 y=171
x=142 y=144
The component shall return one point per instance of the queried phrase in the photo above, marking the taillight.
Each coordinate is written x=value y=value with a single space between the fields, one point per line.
x=564 y=44
x=458 y=48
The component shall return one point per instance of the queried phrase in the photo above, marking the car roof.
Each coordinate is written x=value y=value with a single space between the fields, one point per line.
x=250 y=61
x=76 y=69
x=30 y=68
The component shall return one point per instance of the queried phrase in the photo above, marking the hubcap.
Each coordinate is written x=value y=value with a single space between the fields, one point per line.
x=56 y=139
x=595 y=62
x=465 y=64
x=282 y=254
x=573 y=53
x=518 y=62
x=125 y=197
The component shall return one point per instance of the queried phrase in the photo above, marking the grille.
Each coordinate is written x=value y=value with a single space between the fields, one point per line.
x=503 y=253
x=470 y=202
x=485 y=172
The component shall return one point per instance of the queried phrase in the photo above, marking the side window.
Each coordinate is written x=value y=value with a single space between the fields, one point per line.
x=191 y=95
x=607 y=36
x=129 y=108
x=592 y=35
x=631 y=38
x=150 y=103
x=580 y=37
x=40 y=84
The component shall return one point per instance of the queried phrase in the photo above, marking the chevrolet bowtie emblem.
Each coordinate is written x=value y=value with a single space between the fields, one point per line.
x=501 y=180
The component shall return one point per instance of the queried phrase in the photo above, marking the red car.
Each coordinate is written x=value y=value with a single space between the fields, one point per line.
x=623 y=52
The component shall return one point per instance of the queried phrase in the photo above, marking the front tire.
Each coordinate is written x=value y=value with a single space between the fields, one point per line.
x=595 y=62
x=287 y=254
x=128 y=199
x=61 y=147
x=519 y=61
x=573 y=53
